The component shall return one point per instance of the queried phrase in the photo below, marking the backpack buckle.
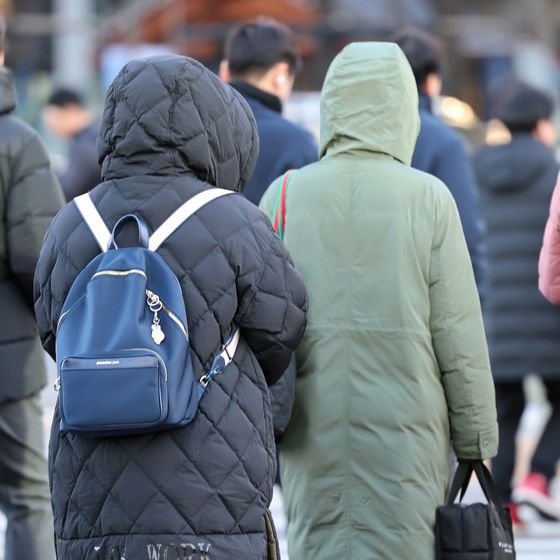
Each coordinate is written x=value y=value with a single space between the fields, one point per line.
x=218 y=366
x=224 y=358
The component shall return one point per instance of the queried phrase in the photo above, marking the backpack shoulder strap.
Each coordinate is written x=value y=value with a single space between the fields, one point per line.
x=182 y=214
x=93 y=220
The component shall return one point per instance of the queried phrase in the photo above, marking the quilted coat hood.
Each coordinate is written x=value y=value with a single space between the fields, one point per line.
x=369 y=102
x=169 y=115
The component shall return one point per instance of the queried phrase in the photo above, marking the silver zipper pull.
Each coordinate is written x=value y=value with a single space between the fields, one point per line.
x=57 y=384
x=155 y=305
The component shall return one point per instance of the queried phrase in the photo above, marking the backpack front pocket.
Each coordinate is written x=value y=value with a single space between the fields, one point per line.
x=113 y=392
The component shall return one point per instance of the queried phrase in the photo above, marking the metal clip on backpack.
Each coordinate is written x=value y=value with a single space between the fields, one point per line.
x=122 y=344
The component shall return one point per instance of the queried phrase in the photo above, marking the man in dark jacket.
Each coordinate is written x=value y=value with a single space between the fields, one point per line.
x=29 y=198
x=203 y=488
x=523 y=328
x=440 y=150
x=66 y=116
x=261 y=59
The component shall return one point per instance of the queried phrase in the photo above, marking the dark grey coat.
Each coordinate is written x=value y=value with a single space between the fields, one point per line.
x=30 y=197
x=523 y=328
x=170 y=130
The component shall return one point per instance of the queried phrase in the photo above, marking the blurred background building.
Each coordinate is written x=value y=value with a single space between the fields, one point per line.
x=82 y=43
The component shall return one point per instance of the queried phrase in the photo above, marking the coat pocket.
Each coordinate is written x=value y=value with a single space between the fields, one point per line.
x=112 y=392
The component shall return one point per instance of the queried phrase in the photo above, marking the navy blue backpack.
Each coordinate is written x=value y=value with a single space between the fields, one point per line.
x=122 y=344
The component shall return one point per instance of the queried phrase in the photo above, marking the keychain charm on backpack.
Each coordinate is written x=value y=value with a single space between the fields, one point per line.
x=157 y=334
x=155 y=305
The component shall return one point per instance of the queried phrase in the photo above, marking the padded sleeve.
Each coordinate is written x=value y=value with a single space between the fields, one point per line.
x=272 y=302
x=459 y=340
x=33 y=200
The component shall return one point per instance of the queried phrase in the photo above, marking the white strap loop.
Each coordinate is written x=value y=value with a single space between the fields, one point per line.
x=229 y=349
x=93 y=220
x=182 y=214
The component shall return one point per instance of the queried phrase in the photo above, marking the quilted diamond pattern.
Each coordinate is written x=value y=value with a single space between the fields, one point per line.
x=213 y=478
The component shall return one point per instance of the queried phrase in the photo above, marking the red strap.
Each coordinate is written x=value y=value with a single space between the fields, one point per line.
x=275 y=223
x=283 y=198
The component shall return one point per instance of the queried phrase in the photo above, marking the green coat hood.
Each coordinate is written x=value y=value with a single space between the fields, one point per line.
x=383 y=113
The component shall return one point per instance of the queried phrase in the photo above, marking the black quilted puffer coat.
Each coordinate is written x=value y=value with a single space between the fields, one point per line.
x=170 y=130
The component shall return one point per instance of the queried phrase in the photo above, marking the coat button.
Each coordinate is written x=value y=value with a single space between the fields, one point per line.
x=485 y=443
x=336 y=498
x=365 y=500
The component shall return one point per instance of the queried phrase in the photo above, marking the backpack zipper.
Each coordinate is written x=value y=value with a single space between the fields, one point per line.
x=120 y=273
x=65 y=314
x=103 y=273
x=151 y=297
x=176 y=320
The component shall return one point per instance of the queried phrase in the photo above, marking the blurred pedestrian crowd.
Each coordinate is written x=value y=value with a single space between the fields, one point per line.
x=394 y=293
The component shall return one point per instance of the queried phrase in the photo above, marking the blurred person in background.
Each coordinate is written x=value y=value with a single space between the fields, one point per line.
x=440 y=150
x=261 y=59
x=30 y=197
x=516 y=181
x=65 y=116
x=393 y=364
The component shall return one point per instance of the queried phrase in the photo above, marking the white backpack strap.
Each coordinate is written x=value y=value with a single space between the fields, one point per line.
x=230 y=347
x=182 y=214
x=93 y=220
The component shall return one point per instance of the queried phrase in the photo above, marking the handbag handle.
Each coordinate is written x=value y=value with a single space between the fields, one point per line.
x=463 y=476
x=460 y=482
x=487 y=483
x=143 y=233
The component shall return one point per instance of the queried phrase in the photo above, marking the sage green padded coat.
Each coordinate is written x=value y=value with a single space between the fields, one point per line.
x=394 y=362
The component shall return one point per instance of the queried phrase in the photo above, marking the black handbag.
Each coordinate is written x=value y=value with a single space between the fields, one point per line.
x=473 y=531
